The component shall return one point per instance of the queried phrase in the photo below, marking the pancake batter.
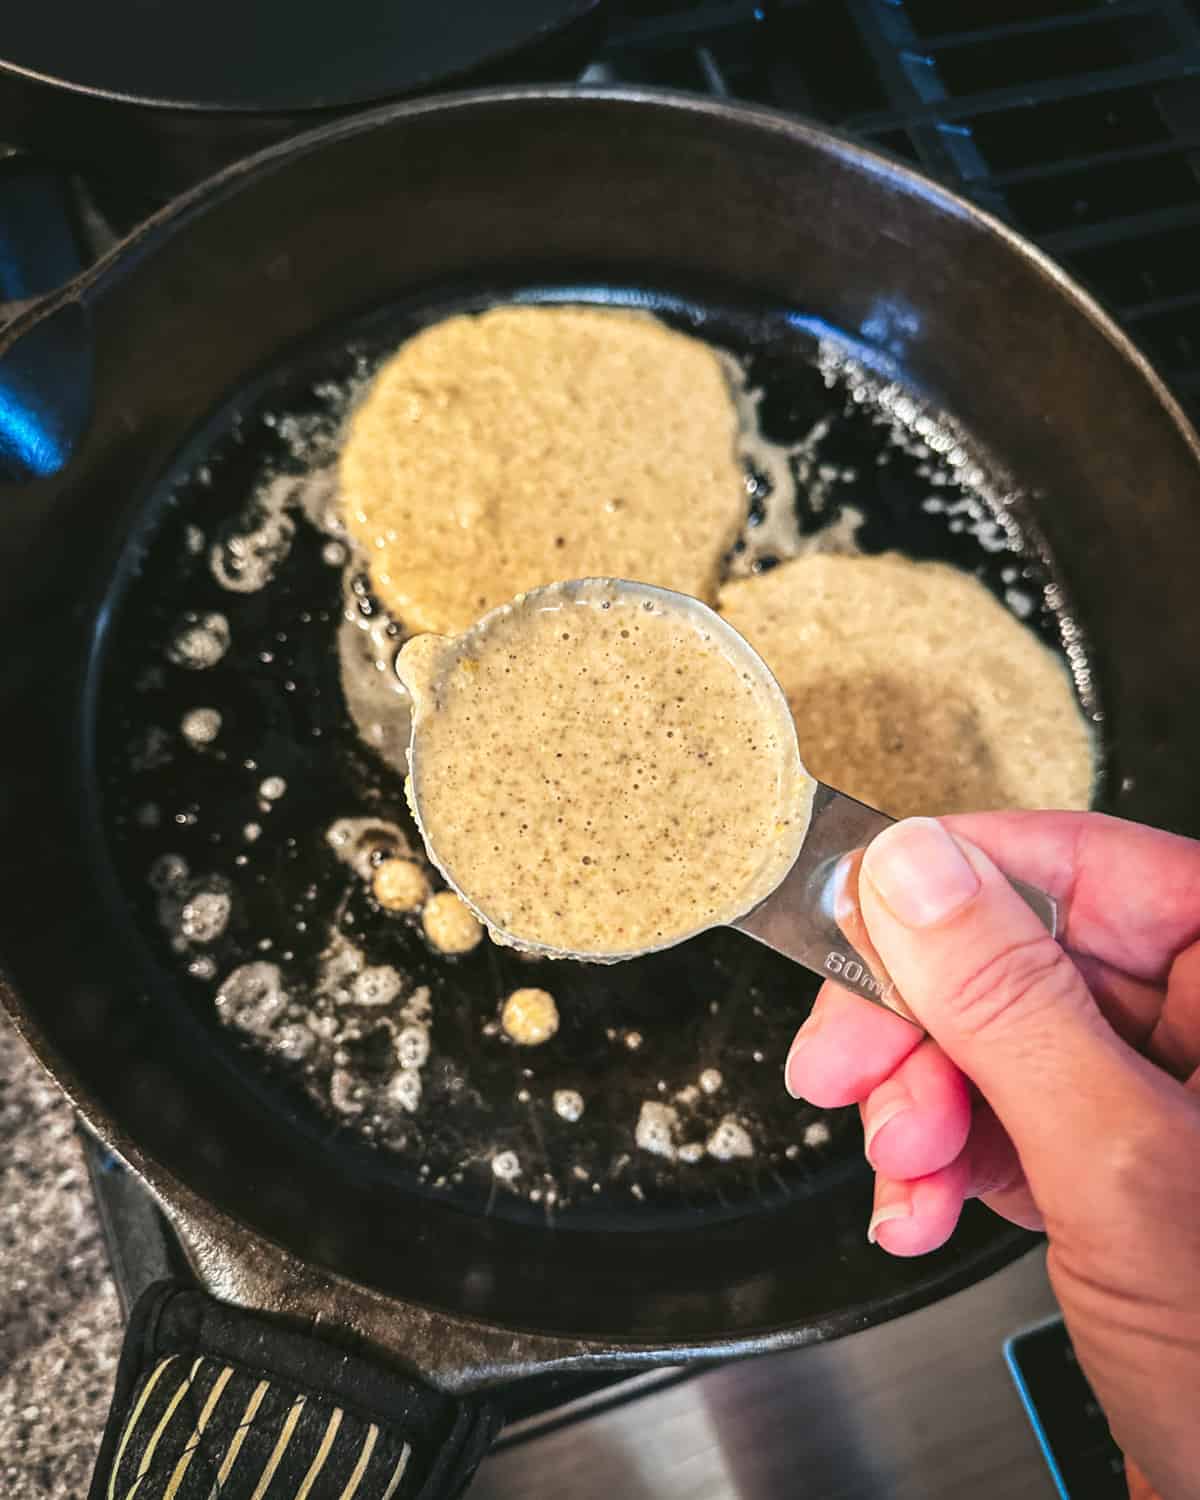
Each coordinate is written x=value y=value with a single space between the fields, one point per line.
x=913 y=688
x=529 y=1017
x=450 y=925
x=597 y=774
x=498 y=452
x=400 y=885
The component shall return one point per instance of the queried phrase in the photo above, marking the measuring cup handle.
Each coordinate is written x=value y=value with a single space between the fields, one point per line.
x=798 y=918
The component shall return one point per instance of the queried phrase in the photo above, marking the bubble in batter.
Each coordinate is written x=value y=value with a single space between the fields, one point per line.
x=506 y=1166
x=529 y=1017
x=656 y=1127
x=599 y=770
x=730 y=1141
x=412 y=1046
x=449 y=924
x=200 y=726
x=294 y=1042
x=252 y=998
x=404 y=1090
x=379 y=984
x=205 y=916
x=400 y=885
x=362 y=844
x=245 y=559
x=167 y=872
x=501 y=451
x=199 y=641
x=347 y=1093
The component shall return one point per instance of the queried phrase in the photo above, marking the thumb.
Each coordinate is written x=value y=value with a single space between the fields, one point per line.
x=1105 y=1139
x=989 y=983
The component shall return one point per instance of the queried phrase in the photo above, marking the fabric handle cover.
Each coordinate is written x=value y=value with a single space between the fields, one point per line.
x=213 y=1401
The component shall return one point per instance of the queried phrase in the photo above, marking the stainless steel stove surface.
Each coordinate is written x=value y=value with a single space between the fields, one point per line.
x=919 y=1409
x=1079 y=122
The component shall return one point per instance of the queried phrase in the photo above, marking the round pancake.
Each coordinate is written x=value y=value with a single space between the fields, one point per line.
x=497 y=452
x=913 y=688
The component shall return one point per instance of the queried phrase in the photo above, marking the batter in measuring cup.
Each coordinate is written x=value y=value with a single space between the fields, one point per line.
x=599 y=773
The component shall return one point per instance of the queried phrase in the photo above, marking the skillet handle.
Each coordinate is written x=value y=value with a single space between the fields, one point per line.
x=46 y=366
x=211 y=1399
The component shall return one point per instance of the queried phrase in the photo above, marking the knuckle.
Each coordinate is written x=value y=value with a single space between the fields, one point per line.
x=1024 y=979
x=1128 y=1157
x=1141 y=1155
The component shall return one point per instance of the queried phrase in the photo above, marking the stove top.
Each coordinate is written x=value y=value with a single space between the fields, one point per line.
x=1078 y=122
x=919 y=1409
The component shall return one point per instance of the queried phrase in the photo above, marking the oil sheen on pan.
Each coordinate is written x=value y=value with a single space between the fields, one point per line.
x=251 y=735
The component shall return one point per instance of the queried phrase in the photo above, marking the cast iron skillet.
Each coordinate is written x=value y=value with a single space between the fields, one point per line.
x=101 y=385
x=173 y=92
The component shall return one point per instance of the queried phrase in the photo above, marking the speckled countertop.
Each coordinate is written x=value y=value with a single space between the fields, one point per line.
x=60 y=1322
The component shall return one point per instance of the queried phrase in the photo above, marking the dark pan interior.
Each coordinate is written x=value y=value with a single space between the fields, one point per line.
x=720 y=1011
x=795 y=229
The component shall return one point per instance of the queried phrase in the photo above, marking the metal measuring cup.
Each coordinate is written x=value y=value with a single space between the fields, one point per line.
x=798 y=906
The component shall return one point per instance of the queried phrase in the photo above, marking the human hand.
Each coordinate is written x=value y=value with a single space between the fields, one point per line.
x=1061 y=1087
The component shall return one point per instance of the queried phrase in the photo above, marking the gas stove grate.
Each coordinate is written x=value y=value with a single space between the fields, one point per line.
x=1077 y=121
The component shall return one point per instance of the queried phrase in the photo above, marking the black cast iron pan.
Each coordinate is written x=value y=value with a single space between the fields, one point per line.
x=149 y=397
x=173 y=92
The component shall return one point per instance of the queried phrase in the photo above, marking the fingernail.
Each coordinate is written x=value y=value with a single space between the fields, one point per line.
x=900 y=1208
x=919 y=872
x=845 y=899
x=886 y=1103
x=803 y=1036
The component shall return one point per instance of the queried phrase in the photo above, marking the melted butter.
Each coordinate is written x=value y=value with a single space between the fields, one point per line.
x=599 y=773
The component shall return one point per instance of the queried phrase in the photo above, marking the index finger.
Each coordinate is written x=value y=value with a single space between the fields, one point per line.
x=1127 y=895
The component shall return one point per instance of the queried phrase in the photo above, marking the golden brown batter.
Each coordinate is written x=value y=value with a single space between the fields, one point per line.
x=400 y=885
x=913 y=688
x=597 y=774
x=449 y=924
x=529 y=1017
x=494 y=453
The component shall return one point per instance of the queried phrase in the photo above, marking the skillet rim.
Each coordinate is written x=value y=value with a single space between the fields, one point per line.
x=201 y=1221
x=570 y=14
